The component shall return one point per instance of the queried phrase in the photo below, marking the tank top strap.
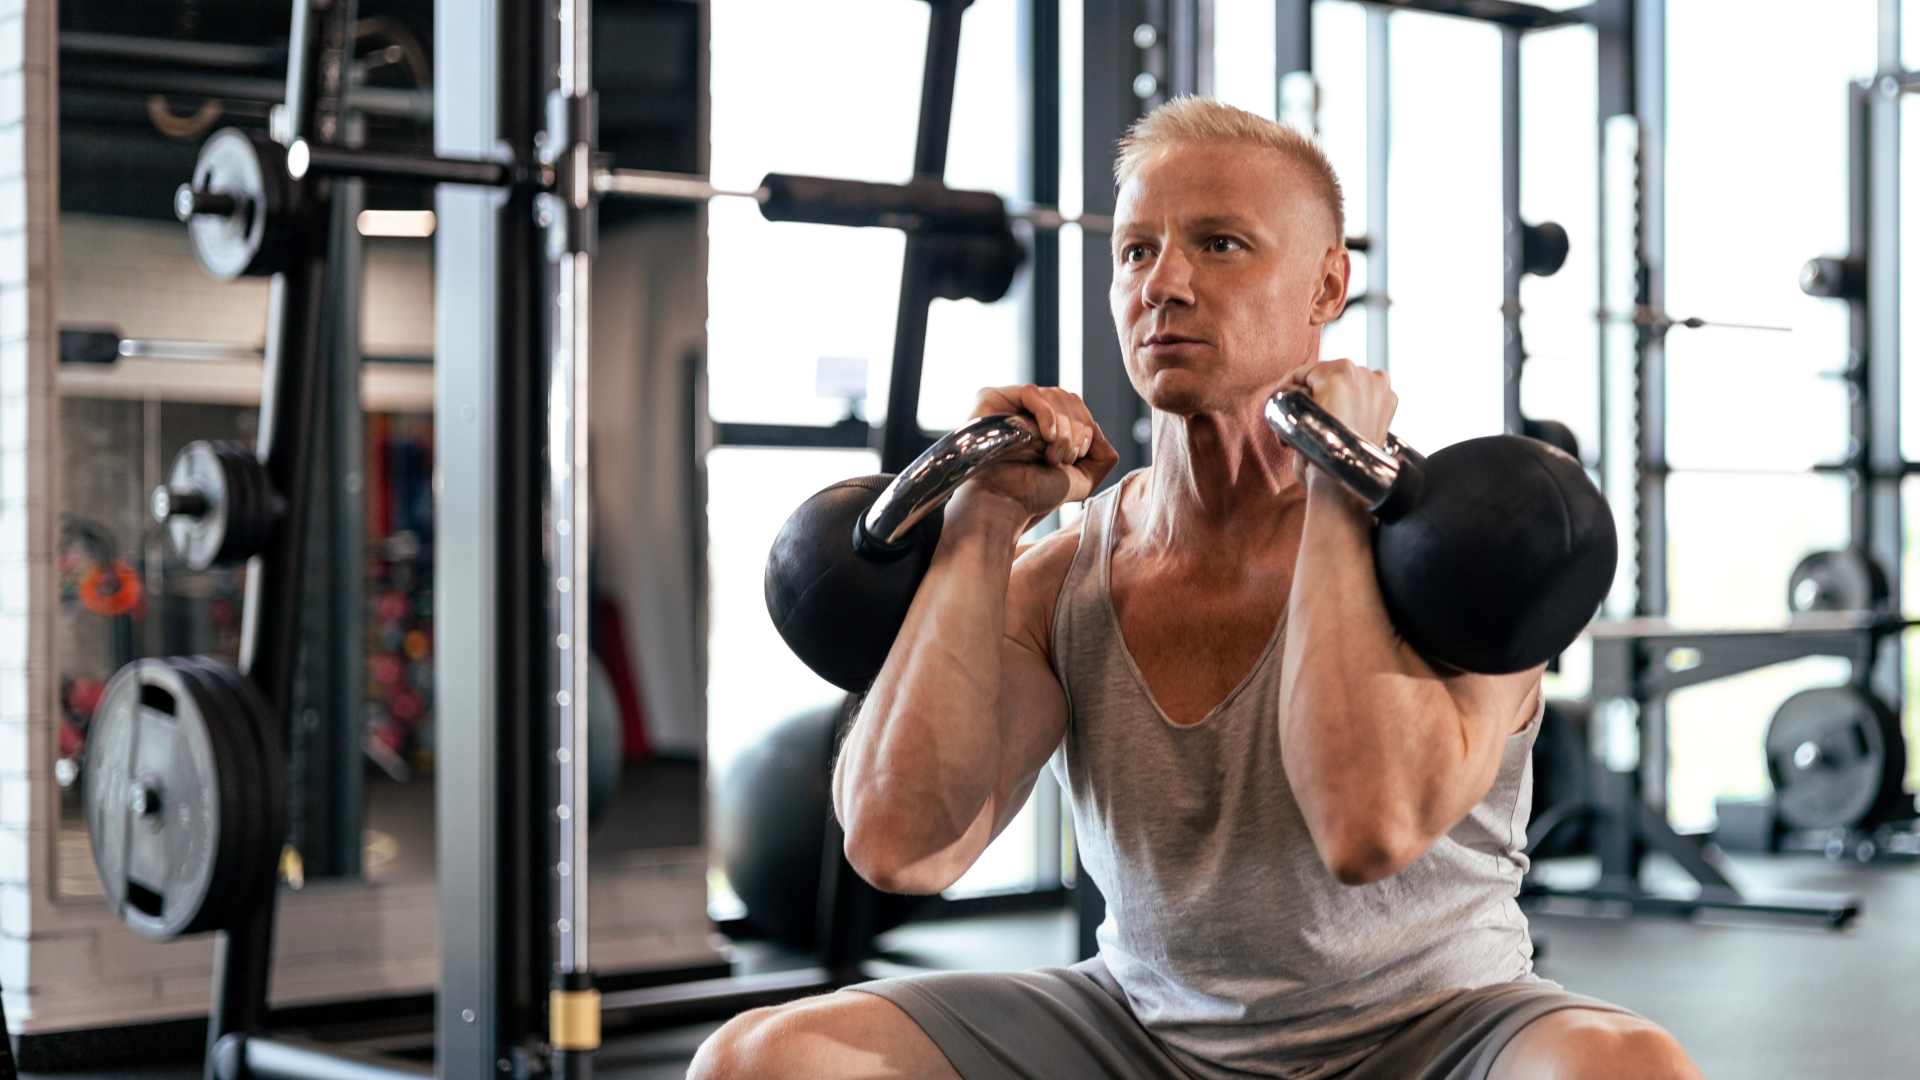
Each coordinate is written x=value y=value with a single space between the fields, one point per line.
x=1079 y=614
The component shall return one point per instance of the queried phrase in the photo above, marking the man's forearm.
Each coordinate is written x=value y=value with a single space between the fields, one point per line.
x=919 y=767
x=1377 y=750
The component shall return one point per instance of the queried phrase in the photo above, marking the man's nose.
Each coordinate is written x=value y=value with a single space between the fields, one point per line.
x=1170 y=281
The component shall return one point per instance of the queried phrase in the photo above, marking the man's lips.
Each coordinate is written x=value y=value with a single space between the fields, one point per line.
x=1155 y=340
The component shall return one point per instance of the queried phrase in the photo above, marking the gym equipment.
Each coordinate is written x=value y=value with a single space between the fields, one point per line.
x=185 y=795
x=248 y=197
x=1844 y=580
x=770 y=818
x=1492 y=555
x=1545 y=248
x=843 y=569
x=1844 y=278
x=1837 y=758
x=1562 y=758
x=217 y=504
x=242 y=205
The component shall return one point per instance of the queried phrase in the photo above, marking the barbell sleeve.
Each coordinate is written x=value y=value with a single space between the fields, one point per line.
x=304 y=158
x=923 y=486
x=189 y=201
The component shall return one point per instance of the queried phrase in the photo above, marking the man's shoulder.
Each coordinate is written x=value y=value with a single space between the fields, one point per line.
x=1039 y=573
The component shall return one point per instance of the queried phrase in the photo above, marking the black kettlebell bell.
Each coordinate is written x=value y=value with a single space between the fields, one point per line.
x=1492 y=555
x=844 y=567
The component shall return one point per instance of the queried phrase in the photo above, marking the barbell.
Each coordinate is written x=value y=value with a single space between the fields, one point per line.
x=1492 y=555
x=248 y=196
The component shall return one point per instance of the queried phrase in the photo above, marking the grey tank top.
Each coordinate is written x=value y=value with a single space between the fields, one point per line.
x=1235 y=946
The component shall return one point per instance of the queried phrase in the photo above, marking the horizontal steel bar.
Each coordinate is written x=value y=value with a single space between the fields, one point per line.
x=845 y=435
x=416 y=104
x=172 y=50
x=304 y=157
x=282 y=1059
x=710 y=999
x=1499 y=12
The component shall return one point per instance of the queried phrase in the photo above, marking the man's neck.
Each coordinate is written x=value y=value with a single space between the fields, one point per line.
x=1217 y=478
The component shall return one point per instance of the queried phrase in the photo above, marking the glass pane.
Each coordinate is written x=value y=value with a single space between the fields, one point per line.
x=1340 y=72
x=124 y=592
x=1733 y=541
x=970 y=344
x=753 y=680
x=1910 y=271
x=1559 y=147
x=823 y=88
x=1243 y=55
x=1747 y=205
x=1447 y=257
x=1716 y=735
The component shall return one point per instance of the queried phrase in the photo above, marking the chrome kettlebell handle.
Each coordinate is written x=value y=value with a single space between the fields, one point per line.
x=1388 y=478
x=933 y=477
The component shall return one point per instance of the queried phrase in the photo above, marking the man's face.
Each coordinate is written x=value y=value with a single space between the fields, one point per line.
x=1225 y=267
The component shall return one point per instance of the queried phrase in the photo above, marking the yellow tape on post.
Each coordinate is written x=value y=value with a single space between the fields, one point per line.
x=573 y=1019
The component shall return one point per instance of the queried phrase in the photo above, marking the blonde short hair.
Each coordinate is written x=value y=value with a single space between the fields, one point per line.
x=1198 y=120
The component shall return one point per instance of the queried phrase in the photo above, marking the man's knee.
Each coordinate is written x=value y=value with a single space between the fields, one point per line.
x=743 y=1046
x=846 y=1034
x=1616 y=1046
x=1588 y=1044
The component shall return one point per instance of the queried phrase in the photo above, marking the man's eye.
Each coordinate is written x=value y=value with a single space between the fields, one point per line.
x=1136 y=253
x=1220 y=244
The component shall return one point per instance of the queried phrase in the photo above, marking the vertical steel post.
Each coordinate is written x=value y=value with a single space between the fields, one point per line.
x=1109 y=105
x=1886 y=463
x=1040 y=58
x=523 y=815
x=901 y=440
x=1379 y=295
x=292 y=404
x=347 y=547
x=1513 y=233
x=574 y=1004
x=467 y=404
x=1650 y=108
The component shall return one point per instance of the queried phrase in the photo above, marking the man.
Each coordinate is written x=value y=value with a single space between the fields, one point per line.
x=1309 y=838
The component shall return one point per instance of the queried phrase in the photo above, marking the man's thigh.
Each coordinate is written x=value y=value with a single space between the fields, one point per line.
x=841 y=1036
x=1588 y=1044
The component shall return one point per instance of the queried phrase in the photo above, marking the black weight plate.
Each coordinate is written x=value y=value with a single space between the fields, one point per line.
x=148 y=736
x=237 y=825
x=242 y=827
x=1836 y=757
x=1843 y=580
x=199 y=539
x=246 y=530
x=269 y=781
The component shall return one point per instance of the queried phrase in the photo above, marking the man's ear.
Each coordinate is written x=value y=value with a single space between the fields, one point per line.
x=1330 y=292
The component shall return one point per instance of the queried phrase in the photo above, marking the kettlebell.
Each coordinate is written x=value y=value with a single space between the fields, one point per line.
x=844 y=567
x=1492 y=555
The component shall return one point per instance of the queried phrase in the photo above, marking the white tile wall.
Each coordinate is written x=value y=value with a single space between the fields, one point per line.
x=16 y=817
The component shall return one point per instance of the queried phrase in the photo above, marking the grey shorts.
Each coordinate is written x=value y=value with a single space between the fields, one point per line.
x=1074 y=1024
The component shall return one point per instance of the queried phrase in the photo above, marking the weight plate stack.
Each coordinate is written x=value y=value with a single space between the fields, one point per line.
x=1837 y=759
x=1842 y=580
x=184 y=797
x=251 y=169
x=241 y=507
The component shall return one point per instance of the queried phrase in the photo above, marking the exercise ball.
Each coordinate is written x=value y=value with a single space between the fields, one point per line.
x=770 y=825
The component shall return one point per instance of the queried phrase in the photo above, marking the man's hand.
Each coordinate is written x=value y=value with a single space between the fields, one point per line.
x=1361 y=399
x=1077 y=456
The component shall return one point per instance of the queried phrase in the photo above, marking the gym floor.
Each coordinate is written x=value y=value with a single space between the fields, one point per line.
x=1755 y=999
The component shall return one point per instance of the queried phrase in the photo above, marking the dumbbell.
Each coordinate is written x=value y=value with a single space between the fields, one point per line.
x=1492 y=555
